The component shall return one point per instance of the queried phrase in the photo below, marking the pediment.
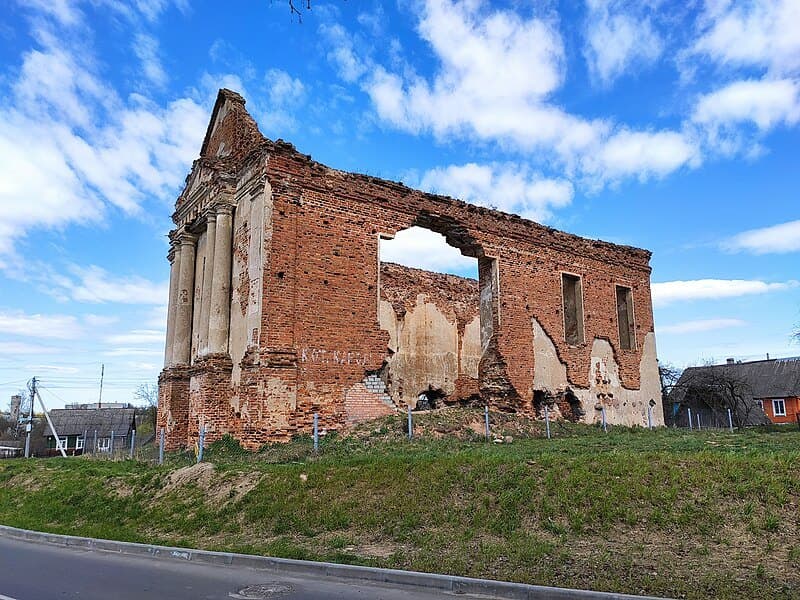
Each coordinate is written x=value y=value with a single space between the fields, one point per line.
x=232 y=132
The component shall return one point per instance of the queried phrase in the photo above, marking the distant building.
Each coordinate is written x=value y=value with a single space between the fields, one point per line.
x=91 y=430
x=757 y=391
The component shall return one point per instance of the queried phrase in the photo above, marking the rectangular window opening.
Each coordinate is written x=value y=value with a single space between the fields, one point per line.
x=627 y=335
x=572 y=296
x=779 y=408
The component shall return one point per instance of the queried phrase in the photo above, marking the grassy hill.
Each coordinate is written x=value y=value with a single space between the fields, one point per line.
x=692 y=515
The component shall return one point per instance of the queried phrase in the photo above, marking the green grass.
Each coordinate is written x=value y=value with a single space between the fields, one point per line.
x=665 y=513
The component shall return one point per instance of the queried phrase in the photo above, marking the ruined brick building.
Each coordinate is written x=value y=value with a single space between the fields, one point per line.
x=280 y=306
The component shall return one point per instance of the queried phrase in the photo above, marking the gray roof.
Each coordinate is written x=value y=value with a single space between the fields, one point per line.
x=776 y=378
x=74 y=421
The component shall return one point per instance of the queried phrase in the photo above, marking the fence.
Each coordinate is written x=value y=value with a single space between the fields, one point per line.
x=152 y=448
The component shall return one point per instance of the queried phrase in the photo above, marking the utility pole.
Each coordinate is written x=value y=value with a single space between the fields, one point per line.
x=29 y=424
x=49 y=422
x=100 y=399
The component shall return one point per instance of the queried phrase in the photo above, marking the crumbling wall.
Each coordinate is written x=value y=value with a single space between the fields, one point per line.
x=324 y=327
x=434 y=335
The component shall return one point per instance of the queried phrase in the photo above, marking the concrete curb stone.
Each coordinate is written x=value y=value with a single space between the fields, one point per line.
x=449 y=583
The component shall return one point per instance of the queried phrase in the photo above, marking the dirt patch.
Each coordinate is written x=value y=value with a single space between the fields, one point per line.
x=29 y=483
x=120 y=488
x=374 y=549
x=200 y=474
x=220 y=488
x=234 y=487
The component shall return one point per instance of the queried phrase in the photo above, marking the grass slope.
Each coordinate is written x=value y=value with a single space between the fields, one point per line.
x=666 y=513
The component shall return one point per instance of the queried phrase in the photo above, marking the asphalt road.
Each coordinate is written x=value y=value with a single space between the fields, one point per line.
x=30 y=571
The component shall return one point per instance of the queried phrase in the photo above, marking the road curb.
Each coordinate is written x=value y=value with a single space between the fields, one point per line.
x=448 y=583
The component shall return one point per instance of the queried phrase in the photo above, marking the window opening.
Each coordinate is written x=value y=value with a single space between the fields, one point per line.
x=572 y=296
x=432 y=302
x=625 y=318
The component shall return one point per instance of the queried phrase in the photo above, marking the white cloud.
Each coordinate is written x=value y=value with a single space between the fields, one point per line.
x=493 y=79
x=126 y=351
x=74 y=145
x=617 y=39
x=642 y=154
x=63 y=327
x=765 y=103
x=759 y=33
x=94 y=284
x=12 y=349
x=507 y=187
x=342 y=52
x=137 y=336
x=424 y=249
x=96 y=321
x=776 y=239
x=671 y=292
x=52 y=368
x=699 y=326
x=65 y=11
x=146 y=49
x=285 y=94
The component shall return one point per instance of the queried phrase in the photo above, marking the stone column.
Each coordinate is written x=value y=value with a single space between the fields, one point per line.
x=174 y=257
x=181 y=349
x=219 y=321
x=208 y=272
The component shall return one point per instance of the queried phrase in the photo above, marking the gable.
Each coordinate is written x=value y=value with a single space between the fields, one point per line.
x=232 y=132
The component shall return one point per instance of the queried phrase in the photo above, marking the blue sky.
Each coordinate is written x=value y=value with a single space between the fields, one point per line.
x=670 y=126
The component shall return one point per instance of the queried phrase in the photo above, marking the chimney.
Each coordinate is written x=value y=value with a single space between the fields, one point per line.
x=731 y=361
x=16 y=401
x=767 y=355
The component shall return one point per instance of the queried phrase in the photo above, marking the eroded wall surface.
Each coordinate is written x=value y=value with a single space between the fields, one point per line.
x=314 y=322
x=434 y=335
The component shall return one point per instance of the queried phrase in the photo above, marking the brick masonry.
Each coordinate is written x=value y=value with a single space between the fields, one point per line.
x=317 y=344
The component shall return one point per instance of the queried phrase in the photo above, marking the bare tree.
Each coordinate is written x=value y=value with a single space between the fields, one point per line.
x=720 y=389
x=147 y=396
x=669 y=375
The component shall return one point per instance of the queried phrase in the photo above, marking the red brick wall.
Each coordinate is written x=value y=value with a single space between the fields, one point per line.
x=320 y=334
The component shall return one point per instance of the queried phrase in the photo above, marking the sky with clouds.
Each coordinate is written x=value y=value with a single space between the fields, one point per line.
x=673 y=126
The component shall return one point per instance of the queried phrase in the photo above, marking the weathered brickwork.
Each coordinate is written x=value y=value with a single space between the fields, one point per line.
x=315 y=328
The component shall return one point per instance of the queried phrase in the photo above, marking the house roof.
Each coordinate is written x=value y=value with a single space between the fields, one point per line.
x=776 y=378
x=72 y=421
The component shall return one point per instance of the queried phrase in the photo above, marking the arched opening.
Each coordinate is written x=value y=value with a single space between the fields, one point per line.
x=437 y=298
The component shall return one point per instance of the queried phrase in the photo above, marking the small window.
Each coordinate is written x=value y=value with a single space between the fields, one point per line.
x=104 y=444
x=63 y=443
x=627 y=336
x=572 y=296
x=79 y=443
x=779 y=408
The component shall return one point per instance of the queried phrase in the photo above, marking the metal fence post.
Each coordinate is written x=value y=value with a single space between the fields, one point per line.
x=111 y=451
x=698 y=422
x=730 y=420
x=486 y=418
x=316 y=432
x=200 y=443
x=547 y=421
x=133 y=442
x=603 y=415
x=410 y=424
x=161 y=447
x=689 y=411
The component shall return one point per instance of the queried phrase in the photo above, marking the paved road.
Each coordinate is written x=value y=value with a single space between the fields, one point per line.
x=31 y=571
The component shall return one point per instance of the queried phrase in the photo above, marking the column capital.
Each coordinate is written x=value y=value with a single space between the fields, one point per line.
x=223 y=208
x=187 y=239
